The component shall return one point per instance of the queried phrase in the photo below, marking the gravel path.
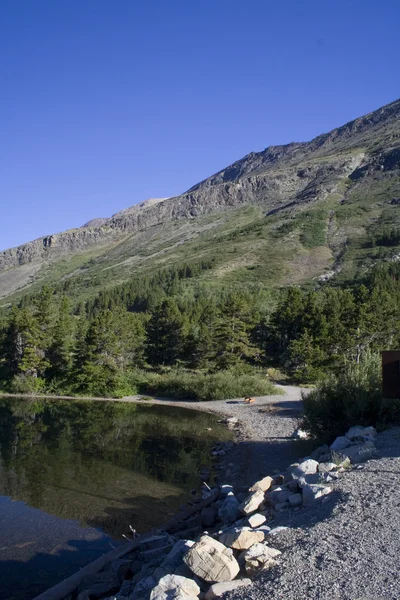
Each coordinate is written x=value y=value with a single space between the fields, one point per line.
x=264 y=440
x=347 y=548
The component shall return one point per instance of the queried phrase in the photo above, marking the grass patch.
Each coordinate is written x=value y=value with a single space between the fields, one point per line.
x=187 y=385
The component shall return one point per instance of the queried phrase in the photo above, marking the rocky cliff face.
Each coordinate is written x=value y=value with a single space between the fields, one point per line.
x=278 y=177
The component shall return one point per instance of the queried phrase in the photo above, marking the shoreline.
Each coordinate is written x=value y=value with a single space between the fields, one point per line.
x=263 y=429
x=263 y=434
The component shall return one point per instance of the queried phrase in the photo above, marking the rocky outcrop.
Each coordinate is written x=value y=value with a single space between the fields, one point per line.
x=226 y=557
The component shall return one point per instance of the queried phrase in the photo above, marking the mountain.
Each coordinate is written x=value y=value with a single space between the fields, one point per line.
x=292 y=214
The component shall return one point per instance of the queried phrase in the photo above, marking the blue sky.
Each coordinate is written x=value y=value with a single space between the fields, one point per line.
x=106 y=103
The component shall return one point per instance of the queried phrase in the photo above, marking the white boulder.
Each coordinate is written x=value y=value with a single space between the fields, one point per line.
x=175 y=587
x=212 y=561
x=241 y=538
x=252 y=502
x=218 y=589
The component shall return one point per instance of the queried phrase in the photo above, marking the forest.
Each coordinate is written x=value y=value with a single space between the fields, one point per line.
x=174 y=333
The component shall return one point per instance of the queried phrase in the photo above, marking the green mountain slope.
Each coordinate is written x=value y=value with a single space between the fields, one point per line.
x=293 y=214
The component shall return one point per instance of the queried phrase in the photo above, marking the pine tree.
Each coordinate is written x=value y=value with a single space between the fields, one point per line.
x=165 y=334
x=60 y=352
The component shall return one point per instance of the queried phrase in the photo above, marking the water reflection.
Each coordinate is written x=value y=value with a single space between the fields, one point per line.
x=104 y=465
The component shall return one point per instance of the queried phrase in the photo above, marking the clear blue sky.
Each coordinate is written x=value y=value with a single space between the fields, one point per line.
x=105 y=103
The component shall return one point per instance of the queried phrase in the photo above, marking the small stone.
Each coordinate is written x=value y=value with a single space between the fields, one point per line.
x=143 y=588
x=277 y=530
x=212 y=561
x=265 y=529
x=229 y=510
x=318 y=452
x=279 y=495
x=340 y=443
x=252 y=502
x=326 y=467
x=241 y=538
x=263 y=485
x=358 y=454
x=259 y=557
x=300 y=434
x=175 y=586
x=217 y=590
x=311 y=493
x=307 y=467
x=226 y=489
x=256 y=520
x=295 y=500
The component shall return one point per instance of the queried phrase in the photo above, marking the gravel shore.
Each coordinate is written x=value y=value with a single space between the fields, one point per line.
x=346 y=547
x=264 y=432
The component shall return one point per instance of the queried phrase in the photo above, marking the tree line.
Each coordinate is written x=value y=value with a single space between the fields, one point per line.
x=174 y=320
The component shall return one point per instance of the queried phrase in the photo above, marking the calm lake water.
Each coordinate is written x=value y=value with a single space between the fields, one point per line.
x=75 y=474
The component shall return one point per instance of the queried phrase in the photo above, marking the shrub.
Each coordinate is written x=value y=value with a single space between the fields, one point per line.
x=354 y=397
x=201 y=386
x=26 y=384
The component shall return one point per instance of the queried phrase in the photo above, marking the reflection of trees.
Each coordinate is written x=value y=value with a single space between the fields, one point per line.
x=93 y=460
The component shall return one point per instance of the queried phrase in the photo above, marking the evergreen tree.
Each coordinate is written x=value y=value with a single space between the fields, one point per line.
x=165 y=334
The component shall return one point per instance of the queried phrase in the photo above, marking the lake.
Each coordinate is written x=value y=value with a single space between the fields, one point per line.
x=75 y=474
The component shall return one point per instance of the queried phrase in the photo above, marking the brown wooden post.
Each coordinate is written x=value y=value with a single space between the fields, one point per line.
x=391 y=373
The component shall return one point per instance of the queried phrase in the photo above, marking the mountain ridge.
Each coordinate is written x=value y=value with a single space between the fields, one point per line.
x=278 y=180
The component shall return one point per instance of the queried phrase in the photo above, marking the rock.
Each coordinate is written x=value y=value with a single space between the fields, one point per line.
x=211 y=560
x=358 y=454
x=310 y=493
x=340 y=443
x=357 y=432
x=259 y=557
x=256 y=520
x=252 y=502
x=175 y=587
x=263 y=485
x=279 y=495
x=218 y=589
x=277 y=530
x=226 y=489
x=143 y=588
x=174 y=559
x=318 y=452
x=229 y=510
x=312 y=478
x=293 y=486
x=324 y=458
x=241 y=538
x=307 y=467
x=326 y=467
x=300 y=434
x=295 y=500
x=208 y=515
x=279 y=506
x=345 y=464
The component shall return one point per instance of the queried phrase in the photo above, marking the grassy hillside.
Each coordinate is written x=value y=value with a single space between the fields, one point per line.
x=297 y=214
